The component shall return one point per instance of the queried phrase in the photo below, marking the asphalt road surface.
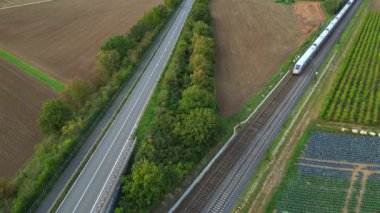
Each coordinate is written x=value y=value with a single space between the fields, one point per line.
x=224 y=198
x=97 y=180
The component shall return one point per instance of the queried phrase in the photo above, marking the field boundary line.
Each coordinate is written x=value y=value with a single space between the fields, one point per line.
x=37 y=74
x=27 y=4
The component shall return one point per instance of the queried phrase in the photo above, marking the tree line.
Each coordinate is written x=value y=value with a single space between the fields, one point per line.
x=68 y=119
x=184 y=120
x=333 y=6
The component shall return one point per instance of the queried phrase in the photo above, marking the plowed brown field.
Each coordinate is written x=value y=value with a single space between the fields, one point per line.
x=13 y=3
x=21 y=97
x=62 y=37
x=254 y=38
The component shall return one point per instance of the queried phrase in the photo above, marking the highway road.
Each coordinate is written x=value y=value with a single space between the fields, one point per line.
x=56 y=185
x=224 y=196
x=100 y=175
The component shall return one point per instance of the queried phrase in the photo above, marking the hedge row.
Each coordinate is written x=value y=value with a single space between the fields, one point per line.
x=184 y=122
x=67 y=120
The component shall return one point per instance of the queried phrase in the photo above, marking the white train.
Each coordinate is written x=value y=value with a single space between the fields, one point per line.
x=305 y=58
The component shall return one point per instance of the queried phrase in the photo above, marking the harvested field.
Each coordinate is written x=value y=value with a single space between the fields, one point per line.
x=254 y=38
x=21 y=97
x=62 y=37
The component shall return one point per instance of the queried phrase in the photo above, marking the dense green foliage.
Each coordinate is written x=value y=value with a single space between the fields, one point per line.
x=355 y=97
x=54 y=114
x=38 y=74
x=87 y=101
x=184 y=122
x=333 y=6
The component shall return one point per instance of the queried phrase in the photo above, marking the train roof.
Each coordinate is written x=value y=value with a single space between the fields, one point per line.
x=307 y=55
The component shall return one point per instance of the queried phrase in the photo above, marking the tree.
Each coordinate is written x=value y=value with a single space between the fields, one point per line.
x=155 y=17
x=195 y=97
x=203 y=45
x=110 y=61
x=76 y=93
x=198 y=61
x=54 y=114
x=143 y=187
x=203 y=79
x=333 y=6
x=201 y=12
x=195 y=130
x=201 y=28
x=99 y=76
x=171 y=4
x=121 y=43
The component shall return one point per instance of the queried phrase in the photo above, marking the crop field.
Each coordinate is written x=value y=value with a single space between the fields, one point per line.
x=254 y=38
x=21 y=97
x=334 y=173
x=355 y=97
x=62 y=37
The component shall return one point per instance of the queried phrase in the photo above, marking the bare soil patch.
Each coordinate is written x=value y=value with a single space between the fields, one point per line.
x=375 y=5
x=254 y=38
x=62 y=37
x=310 y=16
x=21 y=98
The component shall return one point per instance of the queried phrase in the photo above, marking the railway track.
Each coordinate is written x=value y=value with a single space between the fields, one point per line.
x=218 y=185
x=202 y=192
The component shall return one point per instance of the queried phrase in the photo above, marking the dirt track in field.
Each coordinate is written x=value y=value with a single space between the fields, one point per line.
x=21 y=97
x=62 y=37
x=254 y=38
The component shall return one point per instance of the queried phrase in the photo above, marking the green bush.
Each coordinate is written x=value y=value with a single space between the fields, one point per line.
x=54 y=114
x=333 y=6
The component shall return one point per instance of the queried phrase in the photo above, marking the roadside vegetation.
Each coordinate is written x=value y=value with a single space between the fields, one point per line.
x=331 y=7
x=179 y=128
x=67 y=120
x=355 y=97
x=39 y=75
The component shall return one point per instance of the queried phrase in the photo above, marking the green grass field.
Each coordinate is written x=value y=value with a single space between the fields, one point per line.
x=355 y=97
x=39 y=75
